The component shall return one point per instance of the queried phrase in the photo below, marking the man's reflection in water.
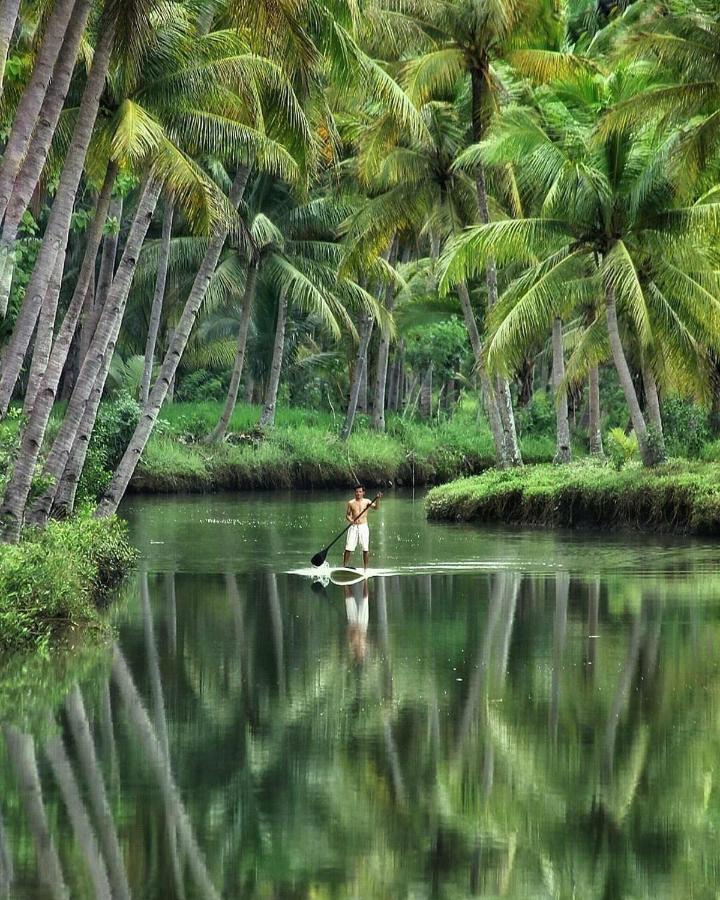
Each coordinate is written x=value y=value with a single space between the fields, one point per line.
x=358 y=614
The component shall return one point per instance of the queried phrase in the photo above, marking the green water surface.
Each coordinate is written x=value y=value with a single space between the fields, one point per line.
x=508 y=713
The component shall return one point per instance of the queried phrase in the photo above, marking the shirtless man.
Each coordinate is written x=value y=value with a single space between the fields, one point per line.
x=359 y=531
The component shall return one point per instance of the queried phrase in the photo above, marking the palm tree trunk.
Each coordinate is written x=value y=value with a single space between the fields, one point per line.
x=82 y=827
x=104 y=340
x=220 y=430
x=32 y=166
x=28 y=110
x=594 y=433
x=360 y=362
x=563 y=453
x=157 y=303
x=105 y=277
x=58 y=228
x=43 y=335
x=116 y=489
x=7 y=873
x=502 y=387
x=625 y=378
x=8 y=18
x=652 y=401
x=21 y=750
x=147 y=737
x=362 y=404
x=267 y=417
x=249 y=389
x=381 y=370
x=64 y=501
x=426 y=393
x=92 y=774
x=33 y=433
x=488 y=392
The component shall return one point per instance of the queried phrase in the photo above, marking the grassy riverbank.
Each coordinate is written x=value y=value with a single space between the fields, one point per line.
x=303 y=450
x=58 y=578
x=677 y=497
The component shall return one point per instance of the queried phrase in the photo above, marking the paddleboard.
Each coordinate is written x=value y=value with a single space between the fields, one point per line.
x=339 y=574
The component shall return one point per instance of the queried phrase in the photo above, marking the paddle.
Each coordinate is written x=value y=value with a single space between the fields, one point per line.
x=321 y=556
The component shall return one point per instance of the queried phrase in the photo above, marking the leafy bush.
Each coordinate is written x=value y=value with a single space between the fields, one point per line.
x=621 y=448
x=538 y=417
x=114 y=427
x=200 y=386
x=686 y=427
x=56 y=577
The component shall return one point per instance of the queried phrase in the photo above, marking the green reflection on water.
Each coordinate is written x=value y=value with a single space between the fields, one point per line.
x=532 y=714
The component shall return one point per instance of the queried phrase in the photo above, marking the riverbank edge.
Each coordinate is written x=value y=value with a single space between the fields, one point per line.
x=60 y=579
x=680 y=497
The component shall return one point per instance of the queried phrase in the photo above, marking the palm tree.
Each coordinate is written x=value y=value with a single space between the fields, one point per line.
x=607 y=226
x=470 y=38
x=18 y=488
x=56 y=233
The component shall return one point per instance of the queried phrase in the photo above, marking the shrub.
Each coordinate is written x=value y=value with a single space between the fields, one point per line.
x=57 y=577
x=686 y=427
x=621 y=448
x=200 y=386
x=114 y=427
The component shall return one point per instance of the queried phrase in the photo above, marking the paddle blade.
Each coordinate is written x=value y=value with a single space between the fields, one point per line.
x=319 y=558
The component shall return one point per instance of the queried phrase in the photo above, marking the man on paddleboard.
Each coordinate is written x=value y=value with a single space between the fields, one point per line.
x=359 y=531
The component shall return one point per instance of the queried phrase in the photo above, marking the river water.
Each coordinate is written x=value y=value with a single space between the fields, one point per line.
x=503 y=713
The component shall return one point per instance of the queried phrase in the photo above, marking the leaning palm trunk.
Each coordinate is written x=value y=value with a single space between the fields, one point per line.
x=267 y=417
x=31 y=439
x=58 y=228
x=594 y=434
x=64 y=501
x=104 y=280
x=356 y=382
x=625 y=378
x=563 y=452
x=8 y=17
x=80 y=821
x=489 y=398
x=26 y=114
x=43 y=336
x=218 y=433
x=381 y=371
x=104 y=339
x=31 y=169
x=157 y=303
x=124 y=472
x=21 y=750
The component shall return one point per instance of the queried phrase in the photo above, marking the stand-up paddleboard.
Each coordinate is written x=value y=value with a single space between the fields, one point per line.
x=340 y=574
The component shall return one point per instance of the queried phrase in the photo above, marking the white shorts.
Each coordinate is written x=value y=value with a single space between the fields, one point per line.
x=357 y=533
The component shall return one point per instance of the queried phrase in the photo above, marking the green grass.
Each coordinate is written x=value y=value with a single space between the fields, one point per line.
x=680 y=496
x=303 y=450
x=56 y=578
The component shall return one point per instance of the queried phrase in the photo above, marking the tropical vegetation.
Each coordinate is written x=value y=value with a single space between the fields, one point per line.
x=385 y=214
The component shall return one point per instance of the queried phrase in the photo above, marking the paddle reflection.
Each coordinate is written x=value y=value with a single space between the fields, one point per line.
x=488 y=735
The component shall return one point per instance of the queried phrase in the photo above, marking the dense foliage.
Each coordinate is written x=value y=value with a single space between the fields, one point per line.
x=56 y=578
x=377 y=209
